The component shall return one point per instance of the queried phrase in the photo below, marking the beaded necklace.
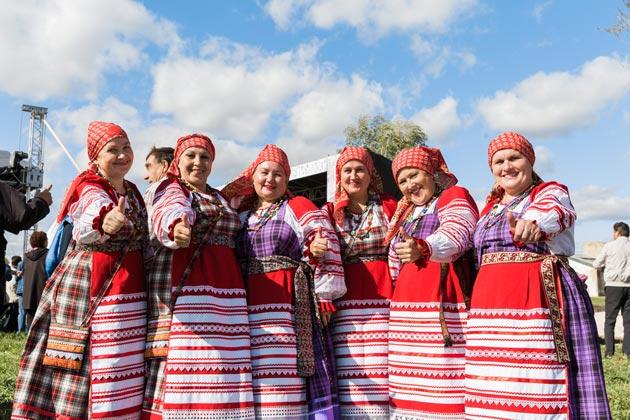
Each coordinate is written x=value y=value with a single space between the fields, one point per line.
x=209 y=195
x=266 y=214
x=366 y=216
x=417 y=219
x=495 y=214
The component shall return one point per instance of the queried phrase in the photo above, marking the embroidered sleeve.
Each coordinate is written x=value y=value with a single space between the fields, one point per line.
x=170 y=205
x=552 y=210
x=458 y=217
x=329 y=278
x=393 y=260
x=88 y=213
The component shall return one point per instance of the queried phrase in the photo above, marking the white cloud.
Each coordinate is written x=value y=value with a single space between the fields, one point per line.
x=71 y=126
x=600 y=203
x=626 y=116
x=539 y=9
x=551 y=103
x=327 y=110
x=64 y=48
x=421 y=47
x=316 y=123
x=439 y=121
x=372 y=18
x=544 y=160
x=232 y=89
x=438 y=58
x=376 y=18
x=283 y=11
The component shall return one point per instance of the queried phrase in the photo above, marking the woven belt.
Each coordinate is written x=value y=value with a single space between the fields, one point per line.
x=353 y=259
x=223 y=240
x=304 y=292
x=109 y=246
x=549 y=286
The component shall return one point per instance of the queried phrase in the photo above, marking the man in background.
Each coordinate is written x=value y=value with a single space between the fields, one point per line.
x=614 y=258
x=156 y=165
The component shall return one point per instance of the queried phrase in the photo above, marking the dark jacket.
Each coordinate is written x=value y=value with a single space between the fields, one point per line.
x=34 y=277
x=16 y=214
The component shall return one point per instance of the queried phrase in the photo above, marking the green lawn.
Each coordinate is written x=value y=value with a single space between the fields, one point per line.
x=10 y=352
x=617 y=371
x=598 y=303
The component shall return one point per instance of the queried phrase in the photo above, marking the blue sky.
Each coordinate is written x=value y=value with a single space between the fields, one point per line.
x=296 y=73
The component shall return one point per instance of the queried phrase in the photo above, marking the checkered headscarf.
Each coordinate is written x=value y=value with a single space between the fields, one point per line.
x=514 y=141
x=242 y=187
x=427 y=159
x=99 y=134
x=341 y=196
x=186 y=142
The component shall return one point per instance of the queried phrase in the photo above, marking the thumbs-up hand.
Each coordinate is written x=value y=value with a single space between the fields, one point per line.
x=182 y=232
x=319 y=245
x=45 y=195
x=407 y=249
x=523 y=230
x=115 y=219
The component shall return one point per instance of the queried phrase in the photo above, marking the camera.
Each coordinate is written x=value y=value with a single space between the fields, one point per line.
x=15 y=172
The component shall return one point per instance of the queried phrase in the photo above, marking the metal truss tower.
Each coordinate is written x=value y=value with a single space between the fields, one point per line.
x=34 y=173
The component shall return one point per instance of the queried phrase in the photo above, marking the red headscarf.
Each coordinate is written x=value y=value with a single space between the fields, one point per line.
x=341 y=196
x=243 y=186
x=427 y=159
x=514 y=141
x=183 y=143
x=99 y=134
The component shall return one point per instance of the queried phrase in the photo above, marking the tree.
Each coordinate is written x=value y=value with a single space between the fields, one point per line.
x=384 y=137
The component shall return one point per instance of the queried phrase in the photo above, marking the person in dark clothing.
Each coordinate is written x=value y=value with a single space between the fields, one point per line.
x=17 y=214
x=34 y=275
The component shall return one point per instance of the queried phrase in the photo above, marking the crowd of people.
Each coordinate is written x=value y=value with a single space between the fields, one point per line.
x=251 y=302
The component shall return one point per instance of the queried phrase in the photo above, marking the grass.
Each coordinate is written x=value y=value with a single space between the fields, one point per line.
x=617 y=373
x=598 y=303
x=10 y=352
x=616 y=370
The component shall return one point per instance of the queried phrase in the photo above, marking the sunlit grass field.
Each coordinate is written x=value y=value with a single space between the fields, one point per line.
x=617 y=372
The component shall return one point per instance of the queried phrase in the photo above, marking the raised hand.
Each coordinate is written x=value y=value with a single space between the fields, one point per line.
x=523 y=230
x=182 y=233
x=45 y=195
x=319 y=245
x=115 y=219
x=407 y=249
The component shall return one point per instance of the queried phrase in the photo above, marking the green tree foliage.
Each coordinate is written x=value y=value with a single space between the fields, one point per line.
x=383 y=136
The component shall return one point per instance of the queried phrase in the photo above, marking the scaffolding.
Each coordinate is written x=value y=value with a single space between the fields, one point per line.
x=34 y=173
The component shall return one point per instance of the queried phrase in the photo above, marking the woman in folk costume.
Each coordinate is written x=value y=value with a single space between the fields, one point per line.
x=360 y=216
x=430 y=233
x=84 y=356
x=198 y=335
x=532 y=347
x=290 y=258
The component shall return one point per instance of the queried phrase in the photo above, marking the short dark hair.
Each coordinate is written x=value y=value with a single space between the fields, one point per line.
x=38 y=239
x=622 y=229
x=15 y=260
x=162 y=154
